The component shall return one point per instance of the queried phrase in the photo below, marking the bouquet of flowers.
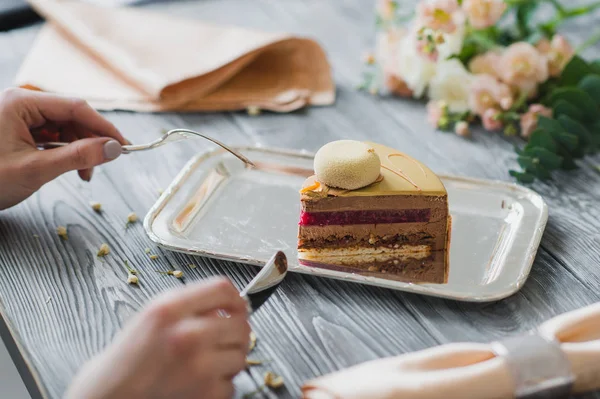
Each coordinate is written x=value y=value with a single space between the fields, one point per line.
x=493 y=61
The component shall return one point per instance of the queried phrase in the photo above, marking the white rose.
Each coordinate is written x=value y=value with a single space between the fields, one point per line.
x=453 y=41
x=451 y=84
x=413 y=67
x=388 y=44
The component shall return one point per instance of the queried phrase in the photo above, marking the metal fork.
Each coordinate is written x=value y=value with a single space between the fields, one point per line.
x=170 y=137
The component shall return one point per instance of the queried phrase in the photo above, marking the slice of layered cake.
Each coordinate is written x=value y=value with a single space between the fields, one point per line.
x=372 y=210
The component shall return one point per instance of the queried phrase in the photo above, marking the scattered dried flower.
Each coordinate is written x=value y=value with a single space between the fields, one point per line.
x=129 y=269
x=103 y=251
x=253 y=110
x=49 y=299
x=132 y=279
x=147 y=250
x=96 y=206
x=178 y=273
x=273 y=380
x=36 y=236
x=132 y=218
x=153 y=257
x=62 y=232
x=192 y=266
x=253 y=362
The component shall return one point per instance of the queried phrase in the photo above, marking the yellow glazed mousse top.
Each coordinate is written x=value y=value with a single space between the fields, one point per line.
x=399 y=175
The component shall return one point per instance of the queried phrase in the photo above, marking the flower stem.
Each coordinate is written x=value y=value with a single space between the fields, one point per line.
x=589 y=42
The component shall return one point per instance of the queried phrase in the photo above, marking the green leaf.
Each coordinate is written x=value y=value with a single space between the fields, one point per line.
x=525 y=12
x=576 y=128
x=574 y=71
x=541 y=156
x=591 y=85
x=568 y=162
x=540 y=172
x=541 y=138
x=526 y=162
x=577 y=98
x=549 y=124
x=569 y=141
x=522 y=177
x=467 y=52
x=561 y=107
x=595 y=65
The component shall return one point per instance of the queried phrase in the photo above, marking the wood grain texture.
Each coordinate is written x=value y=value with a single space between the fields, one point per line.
x=311 y=326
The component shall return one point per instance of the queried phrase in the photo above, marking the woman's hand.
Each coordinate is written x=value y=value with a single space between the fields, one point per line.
x=26 y=117
x=178 y=347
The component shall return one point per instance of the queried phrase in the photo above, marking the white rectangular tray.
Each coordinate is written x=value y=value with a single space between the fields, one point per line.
x=218 y=208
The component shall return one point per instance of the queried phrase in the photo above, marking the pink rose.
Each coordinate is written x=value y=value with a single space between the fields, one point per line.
x=490 y=119
x=529 y=119
x=483 y=13
x=487 y=92
x=523 y=67
x=435 y=112
x=438 y=14
x=558 y=53
x=485 y=63
x=462 y=129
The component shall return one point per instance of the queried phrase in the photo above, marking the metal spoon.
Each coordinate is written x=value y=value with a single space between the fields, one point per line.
x=266 y=281
x=170 y=137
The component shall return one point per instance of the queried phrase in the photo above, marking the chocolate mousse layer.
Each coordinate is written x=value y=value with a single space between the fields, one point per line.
x=432 y=269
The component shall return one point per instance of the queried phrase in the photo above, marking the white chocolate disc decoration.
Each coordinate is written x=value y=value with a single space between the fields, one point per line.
x=347 y=164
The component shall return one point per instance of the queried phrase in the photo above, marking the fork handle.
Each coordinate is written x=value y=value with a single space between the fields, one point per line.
x=54 y=144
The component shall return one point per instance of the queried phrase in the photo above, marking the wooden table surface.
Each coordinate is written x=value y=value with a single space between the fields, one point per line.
x=62 y=304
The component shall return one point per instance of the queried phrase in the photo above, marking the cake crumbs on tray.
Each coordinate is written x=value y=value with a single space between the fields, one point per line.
x=62 y=232
x=103 y=251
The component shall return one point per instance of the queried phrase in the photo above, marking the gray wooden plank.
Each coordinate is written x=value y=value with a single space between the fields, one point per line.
x=311 y=326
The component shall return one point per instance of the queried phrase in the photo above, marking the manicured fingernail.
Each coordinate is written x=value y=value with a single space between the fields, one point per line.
x=112 y=150
x=90 y=175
